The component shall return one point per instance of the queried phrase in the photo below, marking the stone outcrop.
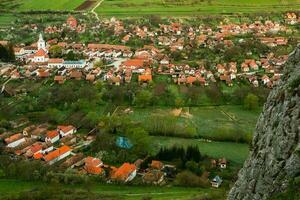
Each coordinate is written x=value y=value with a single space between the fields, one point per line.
x=275 y=153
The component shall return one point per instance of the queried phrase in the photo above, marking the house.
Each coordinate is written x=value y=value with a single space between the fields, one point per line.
x=245 y=67
x=155 y=164
x=216 y=182
x=55 y=62
x=265 y=79
x=60 y=79
x=73 y=64
x=57 y=155
x=14 y=140
x=133 y=64
x=125 y=173
x=145 y=78
x=52 y=136
x=153 y=177
x=72 y=22
x=223 y=163
x=66 y=130
x=93 y=165
x=40 y=56
x=77 y=75
x=220 y=68
x=90 y=77
x=34 y=149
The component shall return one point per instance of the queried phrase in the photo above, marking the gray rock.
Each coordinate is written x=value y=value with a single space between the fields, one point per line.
x=275 y=156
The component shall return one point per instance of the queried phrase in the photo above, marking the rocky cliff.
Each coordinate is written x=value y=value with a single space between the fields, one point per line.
x=275 y=152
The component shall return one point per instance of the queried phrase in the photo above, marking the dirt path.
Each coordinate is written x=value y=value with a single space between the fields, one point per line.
x=95 y=7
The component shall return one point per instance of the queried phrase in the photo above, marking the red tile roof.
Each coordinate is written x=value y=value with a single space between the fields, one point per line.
x=40 y=53
x=52 y=134
x=55 y=60
x=56 y=153
x=13 y=138
x=65 y=129
x=124 y=171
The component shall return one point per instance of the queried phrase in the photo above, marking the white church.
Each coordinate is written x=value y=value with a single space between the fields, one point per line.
x=41 y=56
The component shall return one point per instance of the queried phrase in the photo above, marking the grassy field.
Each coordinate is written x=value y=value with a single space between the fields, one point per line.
x=50 y=5
x=192 y=7
x=209 y=121
x=9 y=187
x=235 y=152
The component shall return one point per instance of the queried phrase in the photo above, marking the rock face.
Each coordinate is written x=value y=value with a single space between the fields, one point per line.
x=275 y=152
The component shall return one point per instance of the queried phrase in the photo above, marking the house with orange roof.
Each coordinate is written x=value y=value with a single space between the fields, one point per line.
x=52 y=136
x=57 y=155
x=72 y=22
x=93 y=165
x=40 y=56
x=155 y=164
x=60 y=79
x=34 y=149
x=134 y=64
x=66 y=130
x=125 y=173
x=14 y=140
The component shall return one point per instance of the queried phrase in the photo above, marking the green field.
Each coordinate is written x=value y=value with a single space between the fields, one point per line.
x=50 y=5
x=13 y=187
x=235 y=152
x=192 y=7
x=211 y=122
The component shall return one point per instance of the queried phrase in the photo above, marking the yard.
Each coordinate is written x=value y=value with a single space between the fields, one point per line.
x=190 y=7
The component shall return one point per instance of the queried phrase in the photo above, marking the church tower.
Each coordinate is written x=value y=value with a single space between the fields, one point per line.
x=41 y=43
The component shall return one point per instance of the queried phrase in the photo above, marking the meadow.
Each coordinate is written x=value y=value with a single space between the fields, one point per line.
x=122 y=192
x=192 y=7
x=221 y=123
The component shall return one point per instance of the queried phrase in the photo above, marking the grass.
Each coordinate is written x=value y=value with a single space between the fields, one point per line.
x=211 y=122
x=26 y=5
x=235 y=152
x=190 y=7
x=13 y=187
x=6 y=20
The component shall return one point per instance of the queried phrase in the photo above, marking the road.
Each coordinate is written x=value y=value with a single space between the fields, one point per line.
x=96 y=6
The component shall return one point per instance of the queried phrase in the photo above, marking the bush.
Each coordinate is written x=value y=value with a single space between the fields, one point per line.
x=187 y=178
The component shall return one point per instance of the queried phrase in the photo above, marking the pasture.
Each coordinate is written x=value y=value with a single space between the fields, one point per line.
x=193 y=7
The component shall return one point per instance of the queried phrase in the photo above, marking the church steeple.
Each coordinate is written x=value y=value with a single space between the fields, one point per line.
x=41 y=42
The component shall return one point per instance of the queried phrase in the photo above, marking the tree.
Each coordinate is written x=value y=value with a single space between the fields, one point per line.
x=143 y=98
x=56 y=51
x=140 y=140
x=251 y=102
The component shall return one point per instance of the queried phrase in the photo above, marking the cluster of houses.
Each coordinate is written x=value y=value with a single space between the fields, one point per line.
x=292 y=18
x=55 y=146
x=122 y=62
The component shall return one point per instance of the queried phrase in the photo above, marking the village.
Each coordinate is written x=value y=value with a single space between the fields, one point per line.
x=58 y=147
x=88 y=98
x=116 y=64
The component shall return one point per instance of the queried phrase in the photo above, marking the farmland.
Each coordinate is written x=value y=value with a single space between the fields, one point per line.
x=181 y=8
x=132 y=8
